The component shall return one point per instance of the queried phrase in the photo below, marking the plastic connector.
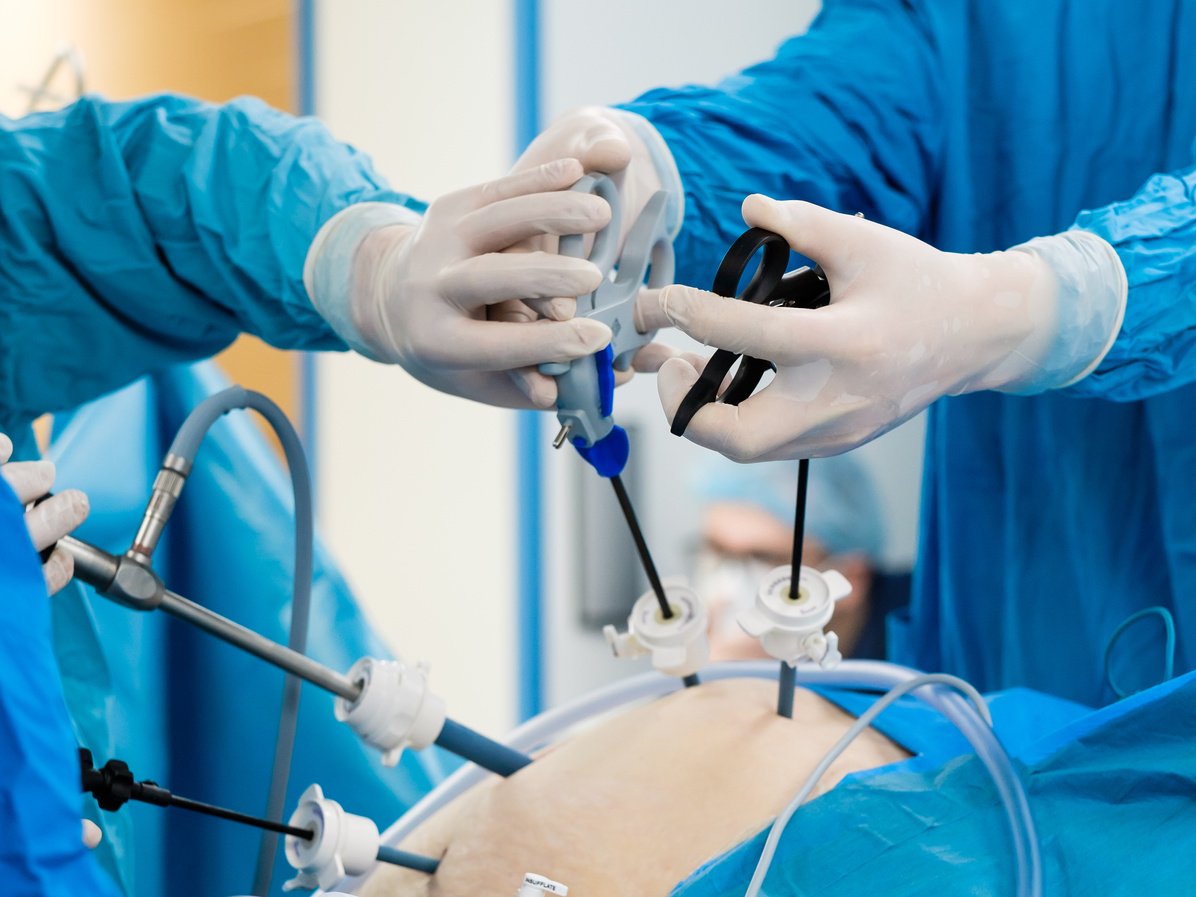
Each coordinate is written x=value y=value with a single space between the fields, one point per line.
x=792 y=629
x=341 y=843
x=679 y=646
x=395 y=709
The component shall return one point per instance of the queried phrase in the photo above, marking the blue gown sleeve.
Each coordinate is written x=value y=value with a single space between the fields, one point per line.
x=135 y=235
x=41 y=851
x=848 y=116
x=1154 y=234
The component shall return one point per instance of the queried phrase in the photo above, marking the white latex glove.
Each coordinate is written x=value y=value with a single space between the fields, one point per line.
x=906 y=325
x=421 y=292
x=92 y=836
x=620 y=144
x=52 y=519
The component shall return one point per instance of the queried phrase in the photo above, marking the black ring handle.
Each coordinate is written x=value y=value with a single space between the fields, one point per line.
x=767 y=278
x=770 y=285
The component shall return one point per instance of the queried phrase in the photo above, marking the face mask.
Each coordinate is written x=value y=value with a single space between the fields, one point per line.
x=728 y=585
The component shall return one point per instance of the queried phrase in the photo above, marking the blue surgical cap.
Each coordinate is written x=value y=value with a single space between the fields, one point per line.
x=842 y=508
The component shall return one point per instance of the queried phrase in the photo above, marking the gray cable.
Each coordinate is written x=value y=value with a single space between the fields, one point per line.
x=186 y=445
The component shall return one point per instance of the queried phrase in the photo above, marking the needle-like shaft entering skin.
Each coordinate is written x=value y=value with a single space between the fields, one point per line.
x=788 y=677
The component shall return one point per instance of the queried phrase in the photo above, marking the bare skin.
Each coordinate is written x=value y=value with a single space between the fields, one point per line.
x=637 y=802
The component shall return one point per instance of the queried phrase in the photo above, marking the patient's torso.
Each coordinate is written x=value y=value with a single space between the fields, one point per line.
x=636 y=803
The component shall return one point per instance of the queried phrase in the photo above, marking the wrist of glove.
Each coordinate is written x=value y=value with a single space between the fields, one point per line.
x=1085 y=292
x=440 y=296
x=907 y=324
x=50 y=520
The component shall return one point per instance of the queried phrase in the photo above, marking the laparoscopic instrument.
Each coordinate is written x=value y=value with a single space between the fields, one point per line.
x=795 y=603
x=386 y=702
x=669 y=622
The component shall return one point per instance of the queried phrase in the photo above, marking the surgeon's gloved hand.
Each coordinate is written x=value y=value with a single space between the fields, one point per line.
x=52 y=519
x=906 y=325
x=427 y=293
x=617 y=143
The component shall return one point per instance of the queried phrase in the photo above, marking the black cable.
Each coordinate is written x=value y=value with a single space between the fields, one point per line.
x=269 y=825
x=787 y=680
x=641 y=546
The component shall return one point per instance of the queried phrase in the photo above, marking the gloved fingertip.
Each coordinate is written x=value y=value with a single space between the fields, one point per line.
x=30 y=479
x=58 y=571
x=681 y=305
x=569 y=170
x=605 y=148
x=594 y=335
x=673 y=381
x=560 y=309
x=763 y=211
x=92 y=835
x=78 y=502
x=593 y=277
x=5 y=448
x=46 y=472
x=539 y=389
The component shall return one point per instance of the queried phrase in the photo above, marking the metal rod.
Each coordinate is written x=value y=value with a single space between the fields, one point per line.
x=279 y=655
x=195 y=806
x=641 y=546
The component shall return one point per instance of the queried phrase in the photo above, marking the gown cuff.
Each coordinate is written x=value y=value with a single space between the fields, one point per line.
x=328 y=269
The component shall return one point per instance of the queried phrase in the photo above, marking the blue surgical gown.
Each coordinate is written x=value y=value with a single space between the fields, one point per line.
x=137 y=235
x=976 y=125
x=41 y=848
x=1112 y=808
x=134 y=236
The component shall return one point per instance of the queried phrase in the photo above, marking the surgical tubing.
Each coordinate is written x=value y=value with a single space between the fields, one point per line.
x=860 y=675
x=857 y=728
x=485 y=752
x=185 y=446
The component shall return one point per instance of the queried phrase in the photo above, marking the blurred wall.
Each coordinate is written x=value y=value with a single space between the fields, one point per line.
x=417 y=491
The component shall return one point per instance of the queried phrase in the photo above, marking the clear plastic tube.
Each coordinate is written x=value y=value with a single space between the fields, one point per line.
x=856 y=729
x=859 y=675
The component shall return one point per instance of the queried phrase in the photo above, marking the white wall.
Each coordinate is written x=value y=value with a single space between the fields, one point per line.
x=417 y=488
x=30 y=37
